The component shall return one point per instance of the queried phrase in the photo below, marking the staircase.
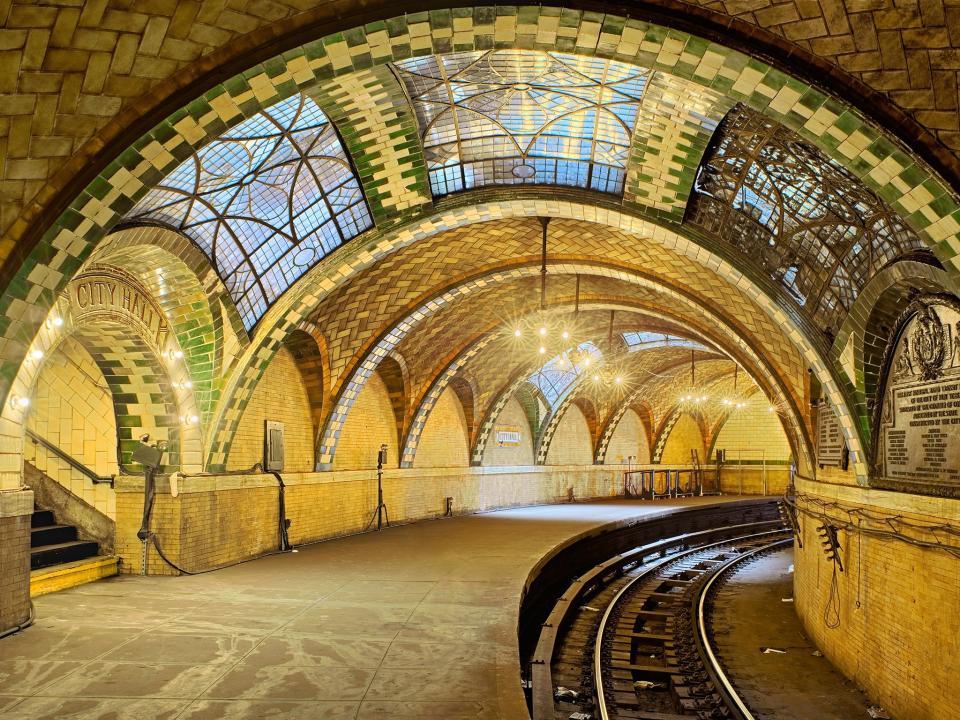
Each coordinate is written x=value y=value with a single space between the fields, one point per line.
x=53 y=544
x=59 y=559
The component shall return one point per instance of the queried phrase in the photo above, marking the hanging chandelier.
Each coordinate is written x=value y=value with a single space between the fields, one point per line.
x=557 y=338
x=695 y=395
x=735 y=401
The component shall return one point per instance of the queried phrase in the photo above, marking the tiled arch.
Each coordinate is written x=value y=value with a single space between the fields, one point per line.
x=733 y=345
x=838 y=129
x=147 y=385
x=392 y=336
x=613 y=421
x=672 y=52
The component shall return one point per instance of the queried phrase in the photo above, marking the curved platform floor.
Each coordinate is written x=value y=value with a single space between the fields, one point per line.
x=418 y=621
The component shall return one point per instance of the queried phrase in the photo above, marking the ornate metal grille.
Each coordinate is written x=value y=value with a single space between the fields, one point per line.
x=808 y=222
x=524 y=116
x=265 y=201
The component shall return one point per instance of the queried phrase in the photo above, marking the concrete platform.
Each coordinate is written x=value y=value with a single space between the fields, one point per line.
x=414 y=622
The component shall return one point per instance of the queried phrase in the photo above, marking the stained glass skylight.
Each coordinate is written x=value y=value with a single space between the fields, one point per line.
x=560 y=372
x=265 y=201
x=524 y=117
x=646 y=340
x=809 y=222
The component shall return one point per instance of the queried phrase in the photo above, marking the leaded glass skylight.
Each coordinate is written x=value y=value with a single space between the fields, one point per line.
x=265 y=201
x=560 y=372
x=524 y=117
x=647 y=340
x=810 y=223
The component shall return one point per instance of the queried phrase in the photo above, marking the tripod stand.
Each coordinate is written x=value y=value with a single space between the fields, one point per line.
x=380 y=513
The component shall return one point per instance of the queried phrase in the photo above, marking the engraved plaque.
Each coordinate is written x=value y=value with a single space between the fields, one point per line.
x=919 y=433
x=830 y=441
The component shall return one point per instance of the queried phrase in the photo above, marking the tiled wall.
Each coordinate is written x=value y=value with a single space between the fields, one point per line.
x=73 y=409
x=753 y=434
x=628 y=440
x=224 y=519
x=444 y=440
x=571 y=443
x=369 y=424
x=512 y=415
x=280 y=395
x=898 y=604
x=684 y=437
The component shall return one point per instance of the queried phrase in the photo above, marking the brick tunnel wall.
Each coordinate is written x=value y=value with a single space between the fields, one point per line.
x=896 y=606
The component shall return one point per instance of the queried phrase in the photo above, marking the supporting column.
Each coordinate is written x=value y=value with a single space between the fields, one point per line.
x=16 y=509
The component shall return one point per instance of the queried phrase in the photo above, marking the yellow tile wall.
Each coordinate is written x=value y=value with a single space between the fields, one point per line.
x=225 y=519
x=754 y=433
x=522 y=454
x=280 y=395
x=899 y=606
x=370 y=423
x=443 y=442
x=571 y=444
x=72 y=408
x=684 y=436
x=629 y=439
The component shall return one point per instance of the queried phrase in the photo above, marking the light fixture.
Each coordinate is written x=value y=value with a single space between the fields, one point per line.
x=36 y=354
x=19 y=402
x=542 y=350
x=188 y=419
x=517 y=333
x=542 y=331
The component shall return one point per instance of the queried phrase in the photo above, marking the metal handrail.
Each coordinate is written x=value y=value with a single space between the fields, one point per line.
x=70 y=460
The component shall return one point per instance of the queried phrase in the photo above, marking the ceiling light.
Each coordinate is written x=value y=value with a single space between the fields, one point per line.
x=36 y=354
x=542 y=349
x=517 y=333
x=618 y=379
x=565 y=335
x=586 y=362
x=19 y=402
x=543 y=331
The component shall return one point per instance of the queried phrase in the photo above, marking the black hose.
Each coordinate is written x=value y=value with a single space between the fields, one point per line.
x=22 y=626
x=284 y=538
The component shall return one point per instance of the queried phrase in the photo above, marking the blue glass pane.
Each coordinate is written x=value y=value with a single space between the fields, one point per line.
x=648 y=340
x=559 y=373
x=265 y=202
x=524 y=117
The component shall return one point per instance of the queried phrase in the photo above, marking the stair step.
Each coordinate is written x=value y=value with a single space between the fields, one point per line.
x=52 y=535
x=68 y=575
x=62 y=552
x=42 y=518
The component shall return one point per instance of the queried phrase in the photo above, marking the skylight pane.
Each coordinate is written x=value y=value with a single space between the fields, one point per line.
x=524 y=117
x=559 y=373
x=275 y=189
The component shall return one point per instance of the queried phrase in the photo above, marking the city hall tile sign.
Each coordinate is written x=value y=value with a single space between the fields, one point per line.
x=917 y=447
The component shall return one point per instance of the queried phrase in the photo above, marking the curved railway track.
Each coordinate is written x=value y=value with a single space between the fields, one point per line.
x=631 y=640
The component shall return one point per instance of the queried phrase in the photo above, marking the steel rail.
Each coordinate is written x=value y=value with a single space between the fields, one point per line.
x=709 y=656
x=601 y=629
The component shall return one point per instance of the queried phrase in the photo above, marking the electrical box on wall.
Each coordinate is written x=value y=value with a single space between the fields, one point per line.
x=273 y=445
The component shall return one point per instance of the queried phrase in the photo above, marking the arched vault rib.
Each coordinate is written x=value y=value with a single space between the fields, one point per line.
x=472 y=348
x=296 y=304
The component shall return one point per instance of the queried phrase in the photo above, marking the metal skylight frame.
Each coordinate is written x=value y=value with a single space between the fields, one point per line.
x=524 y=117
x=265 y=201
